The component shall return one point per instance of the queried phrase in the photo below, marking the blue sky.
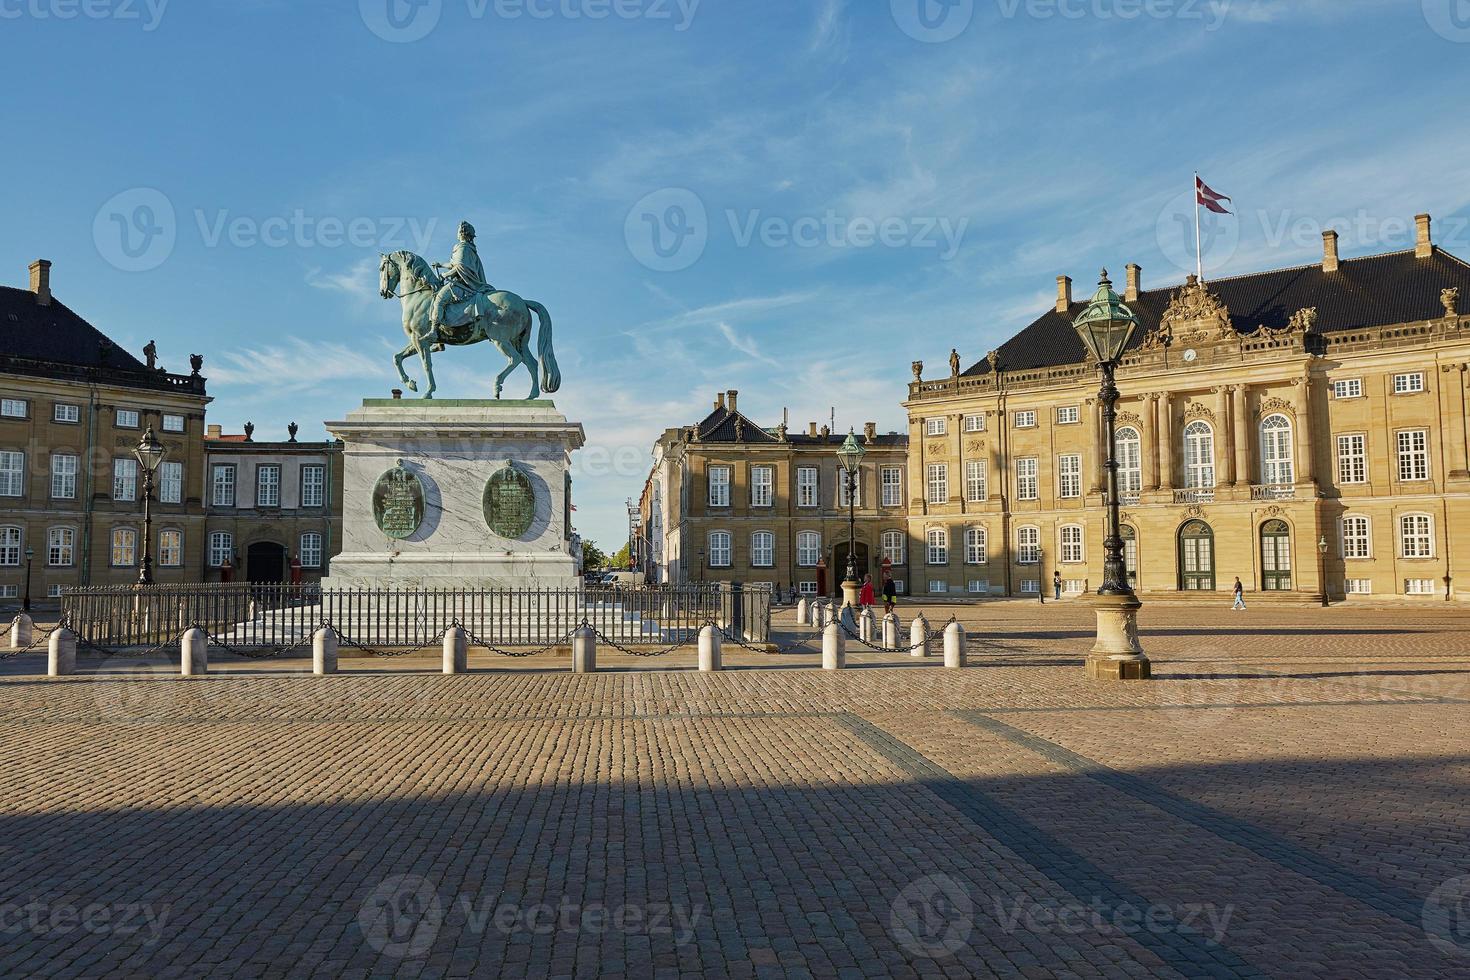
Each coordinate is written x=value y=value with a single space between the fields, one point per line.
x=838 y=187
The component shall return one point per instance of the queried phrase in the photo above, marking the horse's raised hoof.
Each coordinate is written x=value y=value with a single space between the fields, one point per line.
x=412 y=384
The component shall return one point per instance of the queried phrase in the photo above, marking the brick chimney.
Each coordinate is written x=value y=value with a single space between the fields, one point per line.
x=41 y=281
x=1424 y=241
x=1064 y=293
x=870 y=431
x=1135 y=280
x=1329 y=251
x=732 y=398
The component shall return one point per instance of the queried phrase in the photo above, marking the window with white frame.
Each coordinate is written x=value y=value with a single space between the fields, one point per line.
x=894 y=543
x=61 y=545
x=1069 y=476
x=978 y=586
x=938 y=541
x=63 y=412
x=762 y=486
x=1348 y=388
x=1129 y=454
x=173 y=423
x=9 y=592
x=171 y=482
x=14 y=408
x=938 y=586
x=170 y=548
x=719 y=549
x=221 y=549
x=976 y=552
x=1199 y=455
x=806 y=588
x=849 y=483
x=892 y=480
x=311 y=550
x=53 y=591
x=808 y=549
x=1030 y=586
x=313 y=486
x=898 y=587
x=126 y=418
x=936 y=427
x=938 y=483
x=1277 y=469
x=63 y=476
x=222 y=485
x=974 y=423
x=12 y=474
x=1028 y=545
x=1068 y=415
x=719 y=486
x=806 y=486
x=1357 y=539
x=1352 y=458
x=124 y=547
x=1413 y=455
x=268 y=485
x=1027 y=486
x=1416 y=536
x=977 y=480
x=1025 y=419
x=124 y=479
x=1071 y=542
x=1418 y=586
x=1408 y=384
x=10 y=547
x=1358 y=586
x=763 y=549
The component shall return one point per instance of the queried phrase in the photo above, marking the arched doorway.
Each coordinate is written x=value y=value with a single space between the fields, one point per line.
x=1196 y=557
x=265 y=563
x=839 y=562
x=1275 y=557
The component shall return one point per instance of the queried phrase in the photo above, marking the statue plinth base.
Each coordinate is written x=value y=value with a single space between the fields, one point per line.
x=1117 y=654
x=453 y=448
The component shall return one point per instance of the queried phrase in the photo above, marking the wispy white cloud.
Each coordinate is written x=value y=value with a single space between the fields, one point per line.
x=297 y=366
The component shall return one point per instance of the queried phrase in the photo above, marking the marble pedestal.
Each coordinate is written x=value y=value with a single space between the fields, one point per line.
x=453 y=448
x=1117 y=655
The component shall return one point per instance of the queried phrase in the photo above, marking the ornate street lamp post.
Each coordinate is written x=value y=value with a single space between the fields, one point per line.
x=1322 y=569
x=850 y=457
x=150 y=454
x=1106 y=326
x=25 y=603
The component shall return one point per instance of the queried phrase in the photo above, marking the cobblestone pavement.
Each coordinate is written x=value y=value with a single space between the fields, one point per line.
x=1287 y=798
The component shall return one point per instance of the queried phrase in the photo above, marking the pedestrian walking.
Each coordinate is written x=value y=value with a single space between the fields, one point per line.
x=865 y=596
x=890 y=593
x=1056 y=585
x=1239 y=596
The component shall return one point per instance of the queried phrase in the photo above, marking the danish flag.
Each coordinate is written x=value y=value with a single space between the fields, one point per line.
x=1208 y=198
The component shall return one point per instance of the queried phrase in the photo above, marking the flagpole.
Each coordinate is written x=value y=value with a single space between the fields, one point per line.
x=1199 y=254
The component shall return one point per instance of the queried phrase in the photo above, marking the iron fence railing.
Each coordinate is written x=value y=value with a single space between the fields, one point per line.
x=246 y=615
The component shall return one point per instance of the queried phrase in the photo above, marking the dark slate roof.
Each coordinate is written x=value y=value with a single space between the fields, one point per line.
x=837 y=438
x=1374 y=291
x=720 y=426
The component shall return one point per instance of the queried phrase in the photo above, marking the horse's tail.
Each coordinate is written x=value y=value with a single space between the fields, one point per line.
x=550 y=373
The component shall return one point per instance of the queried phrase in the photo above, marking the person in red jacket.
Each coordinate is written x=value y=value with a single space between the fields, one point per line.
x=865 y=597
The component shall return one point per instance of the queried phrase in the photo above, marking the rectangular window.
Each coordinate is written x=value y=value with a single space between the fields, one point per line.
x=268 y=486
x=1352 y=458
x=171 y=483
x=1348 y=388
x=12 y=474
x=762 y=486
x=1071 y=538
x=1413 y=455
x=313 y=486
x=1069 y=415
x=221 y=549
x=124 y=479
x=1027 y=487
x=719 y=486
x=978 y=586
x=806 y=588
x=1416 y=536
x=1358 y=586
x=173 y=423
x=806 y=486
x=66 y=413
x=171 y=548
x=892 y=478
x=10 y=547
x=222 y=485
x=53 y=591
x=1026 y=419
x=311 y=550
x=1408 y=384
x=977 y=480
x=938 y=586
x=14 y=408
x=1356 y=541
x=1028 y=545
x=1030 y=586
x=124 y=547
x=60 y=547
x=126 y=418
x=63 y=476
x=938 y=542
x=1069 y=476
x=936 y=427
x=9 y=592
x=1418 y=586
x=974 y=423
x=938 y=483
x=719 y=550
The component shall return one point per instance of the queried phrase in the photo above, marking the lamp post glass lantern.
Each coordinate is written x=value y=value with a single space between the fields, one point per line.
x=850 y=458
x=150 y=454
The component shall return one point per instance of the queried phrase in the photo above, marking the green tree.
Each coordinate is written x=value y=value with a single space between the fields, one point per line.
x=592 y=556
x=619 y=561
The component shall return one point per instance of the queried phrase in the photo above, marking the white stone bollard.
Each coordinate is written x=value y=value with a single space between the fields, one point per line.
x=834 y=648
x=919 y=637
x=867 y=625
x=584 y=651
x=803 y=613
x=22 y=632
x=456 y=651
x=891 y=630
x=324 y=652
x=194 y=653
x=61 y=653
x=954 y=646
x=710 y=654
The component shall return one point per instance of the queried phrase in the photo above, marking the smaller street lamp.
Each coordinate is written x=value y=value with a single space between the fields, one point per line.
x=1322 y=567
x=850 y=457
x=149 y=453
x=25 y=603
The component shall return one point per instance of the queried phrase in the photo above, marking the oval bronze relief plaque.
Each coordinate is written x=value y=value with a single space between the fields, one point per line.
x=398 y=503
x=510 y=503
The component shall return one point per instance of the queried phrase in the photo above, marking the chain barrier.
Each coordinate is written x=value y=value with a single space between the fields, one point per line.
x=930 y=637
x=475 y=641
x=645 y=655
x=344 y=641
x=40 y=640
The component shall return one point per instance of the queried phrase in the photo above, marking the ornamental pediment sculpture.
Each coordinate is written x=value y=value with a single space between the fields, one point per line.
x=1196 y=315
x=975 y=446
x=1194 y=410
x=1451 y=300
x=1272 y=405
x=1128 y=418
x=1303 y=320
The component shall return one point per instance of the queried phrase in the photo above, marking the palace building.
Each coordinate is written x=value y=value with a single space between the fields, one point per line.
x=1304 y=429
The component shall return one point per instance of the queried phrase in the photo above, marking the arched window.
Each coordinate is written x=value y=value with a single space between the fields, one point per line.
x=1071 y=541
x=975 y=546
x=61 y=545
x=719 y=549
x=808 y=549
x=1416 y=536
x=9 y=547
x=1129 y=453
x=893 y=546
x=170 y=548
x=124 y=547
x=310 y=552
x=221 y=549
x=763 y=549
x=1199 y=455
x=1275 y=556
x=1196 y=557
x=938 y=546
x=1028 y=545
x=1276 y=458
x=1357 y=537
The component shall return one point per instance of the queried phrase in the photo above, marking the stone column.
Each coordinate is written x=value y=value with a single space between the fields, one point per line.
x=1242 y=436
x=954 y=646
x=919 y=637
x=1150 y=448
x=1304 y=452
x=1455 y=383
x=324 y=652
x=1225 y=436
x=1094 y=411
x=710 y=658
x=61 y=653
x=834 y=648
x=456 y=651
x=1166 y=440
x=194 y=653
x=22 y=629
